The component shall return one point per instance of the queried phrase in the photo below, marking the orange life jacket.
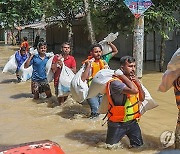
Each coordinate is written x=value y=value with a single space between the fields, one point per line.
x=124 y=113
x=96 y=66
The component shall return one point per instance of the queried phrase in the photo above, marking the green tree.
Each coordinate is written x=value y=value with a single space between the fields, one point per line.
x=113 y=15
x=161 y=18
x=64 y=13
x=18 y=12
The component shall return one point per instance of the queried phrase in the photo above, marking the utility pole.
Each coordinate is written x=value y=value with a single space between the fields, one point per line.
x=138 y=7
x=138 y=44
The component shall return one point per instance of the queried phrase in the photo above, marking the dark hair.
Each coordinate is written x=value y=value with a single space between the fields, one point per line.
x=41 y=44
x=129 y=59
x=95 y=45
x=25 y=38
x=23 y=48
x=65 y=43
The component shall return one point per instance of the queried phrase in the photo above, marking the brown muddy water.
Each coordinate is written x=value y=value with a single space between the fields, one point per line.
x=24 y=120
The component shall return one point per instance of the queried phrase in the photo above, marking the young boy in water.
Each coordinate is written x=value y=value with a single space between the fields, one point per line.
x=95 y=63
x=68 y=60
x=20 y=57
x=39 y=83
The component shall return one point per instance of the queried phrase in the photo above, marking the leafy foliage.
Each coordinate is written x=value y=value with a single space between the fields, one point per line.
x=17 y=12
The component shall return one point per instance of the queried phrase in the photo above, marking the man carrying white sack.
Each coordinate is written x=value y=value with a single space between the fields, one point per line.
x=124 y=94
x=171 y=78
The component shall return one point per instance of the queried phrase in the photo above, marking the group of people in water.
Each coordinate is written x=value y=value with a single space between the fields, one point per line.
x=124 y=92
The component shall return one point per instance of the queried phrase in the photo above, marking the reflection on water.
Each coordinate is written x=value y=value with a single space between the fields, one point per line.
x=24 y=120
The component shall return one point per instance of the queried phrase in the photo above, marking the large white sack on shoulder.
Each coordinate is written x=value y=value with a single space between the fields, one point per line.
x=49 y=72
x=11 y=65
x=148 y=102
x=25 y=73
x=174 y=63
x=79 y=88
x=168 y=79
x=146 y=105
x=65 y=81
x=110 y=38
x=98 y=84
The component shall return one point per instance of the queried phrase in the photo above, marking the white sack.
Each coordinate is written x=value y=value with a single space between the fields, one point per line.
x=172 y=72
x=11 y=65
x=25 y=73
x=79 y=89
x=174 y=63
x=168 y=79
x=148 y=102
x=146 y=105
x=32 y=51
x=49 y=72
x=110 y=38
x=98 y=84
x=65 y=81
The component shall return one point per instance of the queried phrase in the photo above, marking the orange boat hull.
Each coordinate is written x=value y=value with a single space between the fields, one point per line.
x=39 y=147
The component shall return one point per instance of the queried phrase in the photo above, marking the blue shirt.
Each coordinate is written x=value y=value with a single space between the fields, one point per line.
x=20 y=59
x=39 y=68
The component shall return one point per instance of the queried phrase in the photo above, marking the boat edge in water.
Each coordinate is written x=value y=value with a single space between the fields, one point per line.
x=37 y=147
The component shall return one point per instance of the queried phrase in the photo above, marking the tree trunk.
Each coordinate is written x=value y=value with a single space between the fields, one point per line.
x=89 y=22
x=154 y=45
x=138 y=45
x=162 y=55
x=13 y=37
x=70 y=37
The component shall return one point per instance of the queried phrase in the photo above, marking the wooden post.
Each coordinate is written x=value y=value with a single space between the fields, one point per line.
x=138 y=42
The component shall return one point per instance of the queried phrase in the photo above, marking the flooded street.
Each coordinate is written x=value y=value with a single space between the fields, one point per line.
x=24 y=120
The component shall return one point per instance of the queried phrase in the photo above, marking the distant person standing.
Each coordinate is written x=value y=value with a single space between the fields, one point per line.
x=20 y=57
x=57 y=62
x=25 y=43
x=39 y=83
x=176 y=85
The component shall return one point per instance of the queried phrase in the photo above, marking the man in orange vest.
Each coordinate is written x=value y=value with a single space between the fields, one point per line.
x=124 y=94
x=176 y=85
x=95 y=63
x=25 y=44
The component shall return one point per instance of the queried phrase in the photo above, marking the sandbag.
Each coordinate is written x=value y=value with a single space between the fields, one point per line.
x=11 y=65
x=33 y=51
x=168 y=79
x=174 y=63
x=110 y=38
x=98 y=84
x=65 y=81
x=49 y=72
x=25 y=73
x=146 y=105
x=79 y=89
x=172 y=72
x=148 y=102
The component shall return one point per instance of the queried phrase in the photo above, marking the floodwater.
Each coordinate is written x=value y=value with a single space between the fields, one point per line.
x=24 y=120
